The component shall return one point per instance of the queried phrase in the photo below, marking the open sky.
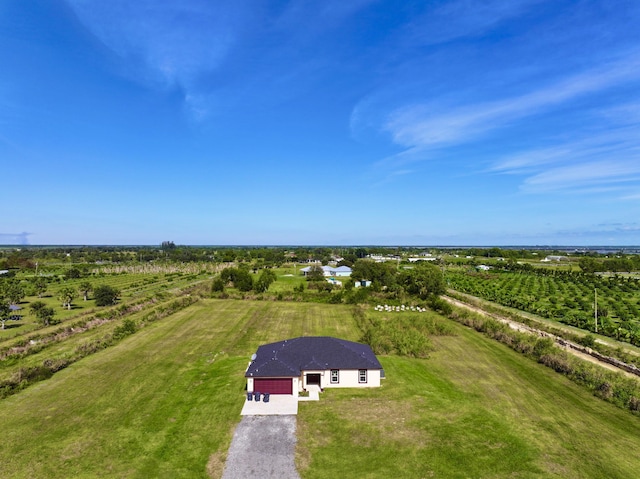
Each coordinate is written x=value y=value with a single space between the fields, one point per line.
x=462 y=122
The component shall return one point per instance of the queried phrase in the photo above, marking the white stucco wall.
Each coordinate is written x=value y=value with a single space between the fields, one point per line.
x=347 y=378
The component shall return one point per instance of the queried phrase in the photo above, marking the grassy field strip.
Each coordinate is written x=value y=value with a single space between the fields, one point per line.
x=162 y=403
x=64 y=348
x=475 y=409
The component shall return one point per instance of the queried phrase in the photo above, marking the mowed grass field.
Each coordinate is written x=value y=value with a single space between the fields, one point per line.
x=164 y=403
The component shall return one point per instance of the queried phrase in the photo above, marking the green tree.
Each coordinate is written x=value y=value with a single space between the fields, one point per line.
x=84 y=288
x=12 y=291
x=590 y=265
x=36 y=306
x=5 y=312
x=266 y=278
x=316 y=273
x=72 y=273
x=381 y=275
x=239 y=277
x=218 y=285
x=168 y=245
x=105 y=295
x=40 y=286
x=45 y=315
x=66 y=296
x=423 y=281
x=243 y=280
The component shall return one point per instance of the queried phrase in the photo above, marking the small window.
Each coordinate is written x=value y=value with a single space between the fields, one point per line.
x=362 y=375
x=335 y=376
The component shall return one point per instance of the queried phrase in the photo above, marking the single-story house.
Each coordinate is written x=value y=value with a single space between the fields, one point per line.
x=290 y=366
x=330 y=271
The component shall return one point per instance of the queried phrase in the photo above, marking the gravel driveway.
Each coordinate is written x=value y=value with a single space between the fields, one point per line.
x=263 y=447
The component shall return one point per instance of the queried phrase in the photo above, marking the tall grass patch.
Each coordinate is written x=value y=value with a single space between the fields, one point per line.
x=403 y=334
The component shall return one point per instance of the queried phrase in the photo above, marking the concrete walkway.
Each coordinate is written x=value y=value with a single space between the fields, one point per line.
x=314 y=394
x=263 y=447
x=278 y=405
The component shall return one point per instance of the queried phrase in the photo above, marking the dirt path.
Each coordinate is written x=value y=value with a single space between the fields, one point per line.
x=572 y=348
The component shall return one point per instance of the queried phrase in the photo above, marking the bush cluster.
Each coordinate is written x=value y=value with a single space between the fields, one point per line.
x=403 y=335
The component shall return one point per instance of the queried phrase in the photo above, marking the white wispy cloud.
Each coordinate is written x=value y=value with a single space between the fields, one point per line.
x=618 y=143
x=604 y=173
x=166 y=44
x=422 y=126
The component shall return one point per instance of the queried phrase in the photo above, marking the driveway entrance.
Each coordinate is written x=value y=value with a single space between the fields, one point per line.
x=263 y=447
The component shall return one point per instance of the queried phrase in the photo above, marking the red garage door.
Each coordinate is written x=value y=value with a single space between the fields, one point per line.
x=273 y=385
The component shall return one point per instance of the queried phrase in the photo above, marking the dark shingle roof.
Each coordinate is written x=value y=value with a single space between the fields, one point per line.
x=290 y=357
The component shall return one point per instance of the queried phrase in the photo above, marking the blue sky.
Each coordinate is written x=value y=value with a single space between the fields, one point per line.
x=457 y=122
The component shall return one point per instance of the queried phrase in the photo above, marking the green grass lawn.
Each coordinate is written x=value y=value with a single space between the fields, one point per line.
x=162 y=403
x=165 y=401
x=474 y=409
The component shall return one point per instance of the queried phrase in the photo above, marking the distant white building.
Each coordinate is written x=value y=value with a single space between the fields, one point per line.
x=342 y=271
x=555 y=258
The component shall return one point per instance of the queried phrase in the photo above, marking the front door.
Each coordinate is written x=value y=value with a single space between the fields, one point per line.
x=313 y=379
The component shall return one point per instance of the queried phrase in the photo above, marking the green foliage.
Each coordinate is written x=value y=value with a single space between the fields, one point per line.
x=127 y=328
x=217 y=286
x=168 y=245
x=84 y=288
x=438 y=304
x=590 y=265
x=266 y=278
x=424 y=280
x=5 y=312
x=45 y=315
x=66 y=296
x=72 y=273
x=36 y=306
x=105 y=295
x=405 y=335
x=240 y=278
x=567 y=297
x=588 y=340
x=382 y=275
x=39 y=286
x=11 y=290
x=315 y=274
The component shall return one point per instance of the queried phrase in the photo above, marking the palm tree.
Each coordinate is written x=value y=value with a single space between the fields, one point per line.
x=66 y=296
x=84 y=289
